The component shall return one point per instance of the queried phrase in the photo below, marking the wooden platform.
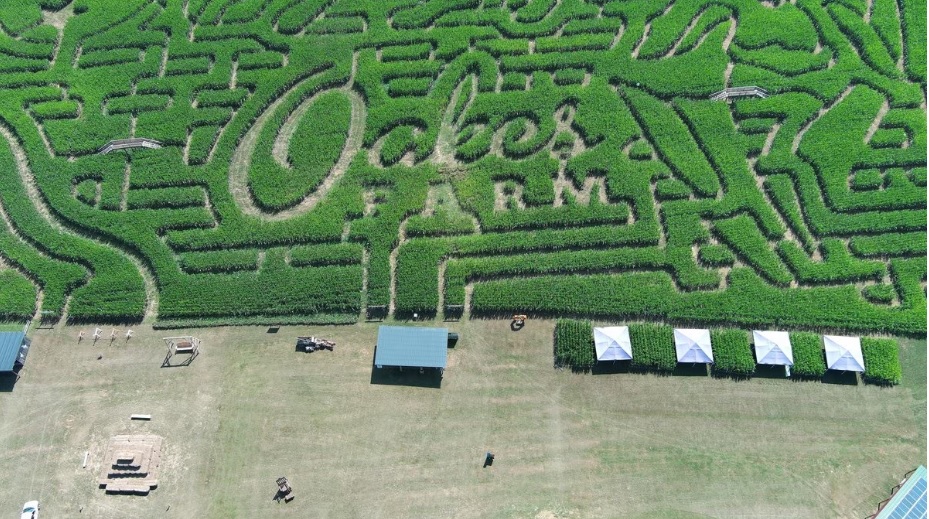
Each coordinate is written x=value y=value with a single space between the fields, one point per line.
x=131 y=464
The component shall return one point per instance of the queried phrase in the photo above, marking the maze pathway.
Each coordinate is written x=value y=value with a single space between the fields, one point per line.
x=445 y=157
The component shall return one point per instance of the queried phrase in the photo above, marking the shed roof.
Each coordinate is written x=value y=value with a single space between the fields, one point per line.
x=910 y=501
x=10 y=343
x=411 y=346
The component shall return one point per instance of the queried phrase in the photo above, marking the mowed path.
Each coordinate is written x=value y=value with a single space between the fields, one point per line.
x=251 y=409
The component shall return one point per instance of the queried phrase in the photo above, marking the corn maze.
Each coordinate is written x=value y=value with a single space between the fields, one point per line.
x=464 y=158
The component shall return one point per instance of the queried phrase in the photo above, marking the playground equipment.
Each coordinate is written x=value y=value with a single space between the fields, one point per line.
x=186 y=345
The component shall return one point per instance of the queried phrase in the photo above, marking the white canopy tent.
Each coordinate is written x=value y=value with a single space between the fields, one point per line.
x=612 y=343
x=843 y=353
x=693 y=345
x=773 y=348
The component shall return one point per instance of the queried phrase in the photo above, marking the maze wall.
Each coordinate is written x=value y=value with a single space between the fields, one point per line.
x=465 y=158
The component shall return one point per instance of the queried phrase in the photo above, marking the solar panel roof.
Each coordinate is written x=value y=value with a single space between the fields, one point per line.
x=910 y=501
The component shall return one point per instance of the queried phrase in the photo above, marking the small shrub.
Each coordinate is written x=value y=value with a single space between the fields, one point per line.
x=879 y=294
x=881 y=361
x=866 y=179
x=652 y=347
x=731 y=353
x=574 y=344
x=671 y=189
x=86 y=191
x=509 y=187
x=641 y=150
x=513 y=81
x=716 y=256
x=808 y=355
x=888 y=138
x=564 y=141
x=569 y=76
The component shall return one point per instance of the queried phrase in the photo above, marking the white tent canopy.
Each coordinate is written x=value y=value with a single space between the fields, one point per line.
x=693 y=345
x=612 y=343
x=773 y=348
x=843 y=353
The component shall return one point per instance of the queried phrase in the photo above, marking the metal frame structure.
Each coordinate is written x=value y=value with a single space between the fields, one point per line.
x=184 y=345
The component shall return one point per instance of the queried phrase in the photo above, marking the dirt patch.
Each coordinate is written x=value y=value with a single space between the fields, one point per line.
x=58 y=19
x=876 y=123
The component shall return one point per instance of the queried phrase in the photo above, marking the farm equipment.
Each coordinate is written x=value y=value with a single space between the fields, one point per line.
x=283 y=490
x=311 y=344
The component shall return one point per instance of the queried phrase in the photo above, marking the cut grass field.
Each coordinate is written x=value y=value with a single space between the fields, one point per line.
x=250 y=409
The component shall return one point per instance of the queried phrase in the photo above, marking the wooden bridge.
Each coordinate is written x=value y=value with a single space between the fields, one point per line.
x=746 y=91
x=125 y=144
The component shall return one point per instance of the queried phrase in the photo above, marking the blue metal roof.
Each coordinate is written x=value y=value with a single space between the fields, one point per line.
x=910 y=501
x=10 y=343
x=410 y=346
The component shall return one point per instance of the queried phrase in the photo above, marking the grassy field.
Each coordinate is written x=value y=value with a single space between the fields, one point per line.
x=250 y=409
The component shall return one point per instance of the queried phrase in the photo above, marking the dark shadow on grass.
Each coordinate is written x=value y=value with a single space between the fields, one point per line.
x=178 y=360
x=392 y=376
x=773 y=372
x=842 y=378
x=427 y=315
x=805 y=378
x=7 y=381
x=649 y=371
x=737 y=377
x=878 y=383
x=690 y=370
x=611 y=368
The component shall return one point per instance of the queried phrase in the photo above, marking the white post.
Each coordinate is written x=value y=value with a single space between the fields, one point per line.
x=85 y=459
